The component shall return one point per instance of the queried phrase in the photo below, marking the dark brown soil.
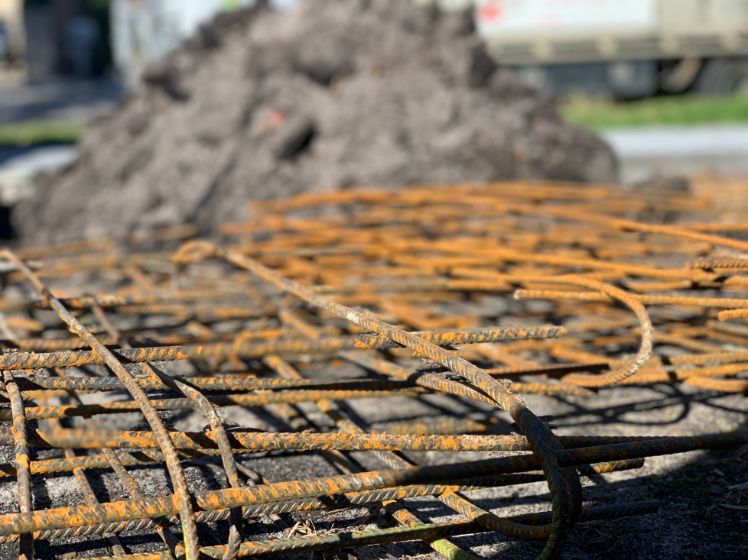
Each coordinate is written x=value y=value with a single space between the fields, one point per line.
x=335 y=94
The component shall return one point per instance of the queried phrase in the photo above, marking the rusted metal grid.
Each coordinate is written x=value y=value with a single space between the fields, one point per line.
x=127 y=370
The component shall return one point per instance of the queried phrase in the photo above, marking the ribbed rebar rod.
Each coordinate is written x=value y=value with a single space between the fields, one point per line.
x=81 y=515
x=30 y=360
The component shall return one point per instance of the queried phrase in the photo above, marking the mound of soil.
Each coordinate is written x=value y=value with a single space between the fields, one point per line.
x=332 y=95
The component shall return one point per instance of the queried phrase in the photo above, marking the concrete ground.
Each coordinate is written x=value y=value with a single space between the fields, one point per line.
x=680 y=150
x=19 y=166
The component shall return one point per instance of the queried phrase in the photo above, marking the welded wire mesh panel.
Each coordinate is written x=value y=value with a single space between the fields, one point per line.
x=350 y=369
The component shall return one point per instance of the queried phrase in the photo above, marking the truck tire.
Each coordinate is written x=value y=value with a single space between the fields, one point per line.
x=723 y=76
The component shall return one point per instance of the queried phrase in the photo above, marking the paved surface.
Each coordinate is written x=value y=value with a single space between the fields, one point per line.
x=59 y=100
x=19 y=166
x=684 y=151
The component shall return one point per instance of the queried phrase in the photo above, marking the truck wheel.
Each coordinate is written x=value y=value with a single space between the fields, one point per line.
x=723 y=76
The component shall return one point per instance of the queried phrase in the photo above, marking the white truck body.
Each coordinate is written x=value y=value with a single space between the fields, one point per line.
x=563 y=31
x=571 y=18
x=635 y=47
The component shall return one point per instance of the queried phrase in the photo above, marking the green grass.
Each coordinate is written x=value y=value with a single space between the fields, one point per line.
x=17 y=135
x=682 y=110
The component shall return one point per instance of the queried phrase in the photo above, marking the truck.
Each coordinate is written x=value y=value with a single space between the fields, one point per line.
x=627 y=49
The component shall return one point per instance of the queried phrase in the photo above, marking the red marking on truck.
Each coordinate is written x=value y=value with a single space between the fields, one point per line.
x=490 y=12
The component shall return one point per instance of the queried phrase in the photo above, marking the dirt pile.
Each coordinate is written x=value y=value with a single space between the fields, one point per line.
x=334 y=94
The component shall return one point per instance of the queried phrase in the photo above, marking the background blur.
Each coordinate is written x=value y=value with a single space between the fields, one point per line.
x=664 y=81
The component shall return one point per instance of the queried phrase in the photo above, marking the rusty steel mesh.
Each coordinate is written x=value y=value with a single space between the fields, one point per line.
x=270 y=357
